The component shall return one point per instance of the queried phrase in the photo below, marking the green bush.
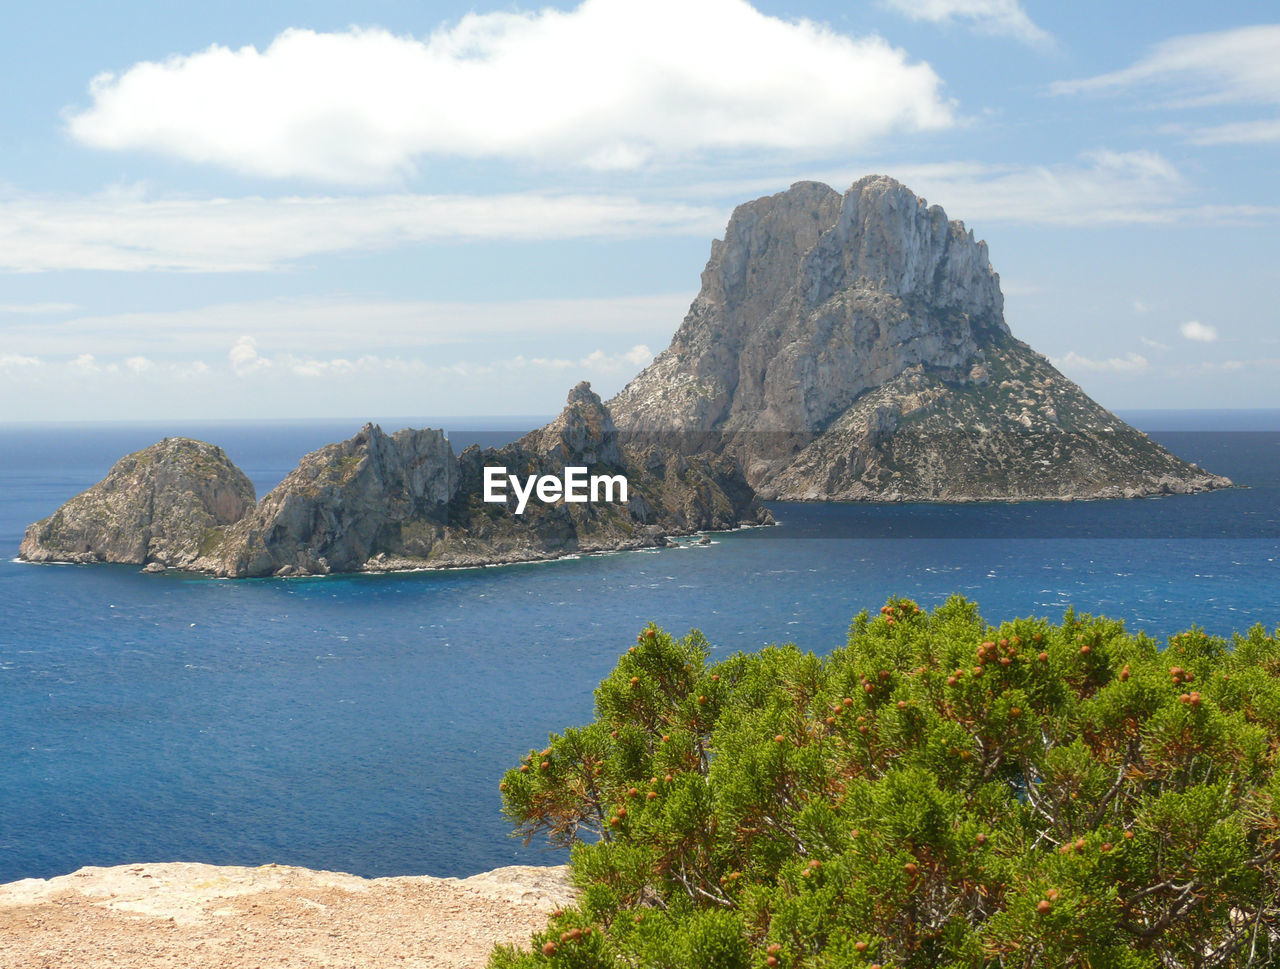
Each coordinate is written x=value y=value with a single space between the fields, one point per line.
x=939 y=793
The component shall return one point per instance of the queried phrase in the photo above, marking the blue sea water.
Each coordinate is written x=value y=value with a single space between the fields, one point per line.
x=362 y=723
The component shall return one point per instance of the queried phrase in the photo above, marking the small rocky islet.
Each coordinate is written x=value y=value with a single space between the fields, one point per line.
x=842 y=348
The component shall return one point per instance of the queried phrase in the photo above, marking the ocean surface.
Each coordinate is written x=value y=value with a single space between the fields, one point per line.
x=362 y=723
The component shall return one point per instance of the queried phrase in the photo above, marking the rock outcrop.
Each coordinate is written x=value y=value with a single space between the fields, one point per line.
x=200 y=916
x=854 y=348
x=167 y=505
x=341 y=505
x=383 y=502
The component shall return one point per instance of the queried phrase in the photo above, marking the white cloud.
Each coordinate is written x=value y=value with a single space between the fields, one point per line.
x=1140 y=307
x=610 y=84
x=37 y=309
x=631 y=360
x=17 y=361
x=1154 y=344
x=345 y=327
x=595 y=363
x=1129 y=363
x=522 y=362
x=137 y=365
x=128 y=232
x=244 y=357
x=86 y=365
x=1236 y=66
x=341 y=366
x=1199 y=332
x=1235 y=133
x=1102 y=187
x=1005 y=17
x=639 y=356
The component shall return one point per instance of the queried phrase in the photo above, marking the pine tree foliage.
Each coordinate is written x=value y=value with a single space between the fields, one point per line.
x=938 y=793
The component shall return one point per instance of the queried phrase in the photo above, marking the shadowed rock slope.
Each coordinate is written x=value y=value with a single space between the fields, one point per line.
x=854 y=348
x=381 y=502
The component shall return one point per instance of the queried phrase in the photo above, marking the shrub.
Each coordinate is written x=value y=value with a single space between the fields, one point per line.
x=939 y=792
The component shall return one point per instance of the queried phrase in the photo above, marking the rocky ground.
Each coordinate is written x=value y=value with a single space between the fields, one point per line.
x=210 y=917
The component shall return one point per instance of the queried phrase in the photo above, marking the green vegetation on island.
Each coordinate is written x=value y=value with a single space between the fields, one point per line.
x=938 y=793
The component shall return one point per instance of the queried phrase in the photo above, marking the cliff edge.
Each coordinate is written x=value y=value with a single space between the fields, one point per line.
x=215 y=917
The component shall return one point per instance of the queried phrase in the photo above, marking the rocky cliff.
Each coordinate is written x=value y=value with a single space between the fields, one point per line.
x=854 y=348
x=380 y=502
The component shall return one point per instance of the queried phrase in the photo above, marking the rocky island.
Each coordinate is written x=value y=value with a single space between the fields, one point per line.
x=385 y=502
x=854 y=348
x=843 y=348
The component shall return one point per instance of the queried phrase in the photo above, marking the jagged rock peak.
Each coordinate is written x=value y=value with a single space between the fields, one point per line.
x=338 y=506
x=888 y=238
x=584 y=432
x=878 y=235
x=811 y=299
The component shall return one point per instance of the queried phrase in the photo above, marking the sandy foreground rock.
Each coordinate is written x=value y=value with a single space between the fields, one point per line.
x=205 y=916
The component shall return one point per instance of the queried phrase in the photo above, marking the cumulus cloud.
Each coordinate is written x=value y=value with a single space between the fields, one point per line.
x=1228 y=67
x=129 y=232
x=86 y=365
x=244 y=357
x=1006 y=17
x=1199 y=332
x=1129 y=363
x=611 y=84
x=638 y=356
x=16 y=362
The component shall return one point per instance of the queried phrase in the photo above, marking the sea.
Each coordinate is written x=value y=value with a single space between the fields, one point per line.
x=362 y=723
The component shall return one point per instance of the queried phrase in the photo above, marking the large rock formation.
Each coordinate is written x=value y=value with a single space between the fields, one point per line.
x=379 y=502
x=854 y=347
x=168 y=504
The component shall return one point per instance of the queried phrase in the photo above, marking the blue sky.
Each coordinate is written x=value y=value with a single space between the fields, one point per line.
x=374 y=209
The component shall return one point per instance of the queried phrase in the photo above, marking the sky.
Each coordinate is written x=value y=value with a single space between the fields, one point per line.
x=340 y=210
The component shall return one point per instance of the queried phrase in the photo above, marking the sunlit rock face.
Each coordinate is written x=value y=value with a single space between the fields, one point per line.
x=854 y=346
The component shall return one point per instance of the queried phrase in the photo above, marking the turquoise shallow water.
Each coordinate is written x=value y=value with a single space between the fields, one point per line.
x=362 y=723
